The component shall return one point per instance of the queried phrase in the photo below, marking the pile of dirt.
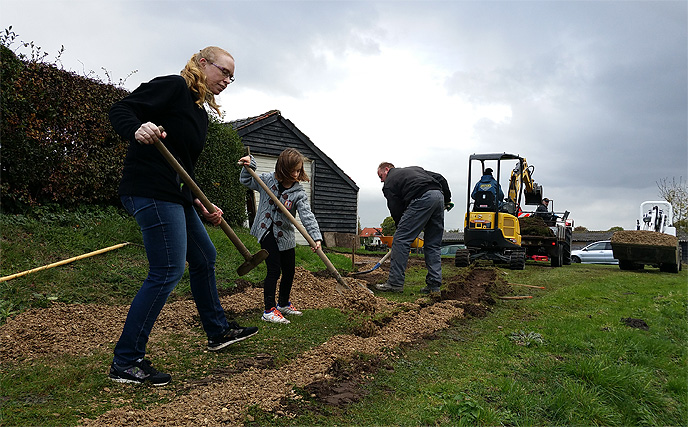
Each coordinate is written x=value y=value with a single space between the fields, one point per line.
x=644 y=238
x=332 y=372
x=343 y=383
x=82 y=329
x=534 y=226
x=476 y=289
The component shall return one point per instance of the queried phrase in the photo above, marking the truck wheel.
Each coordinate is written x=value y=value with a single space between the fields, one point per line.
x=669 y=268
x=558 y=257
x=462 y=258
x=567 y=246
x=630 y=265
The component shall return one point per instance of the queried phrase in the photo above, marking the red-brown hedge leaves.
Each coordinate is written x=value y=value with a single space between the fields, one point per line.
x=57 y=141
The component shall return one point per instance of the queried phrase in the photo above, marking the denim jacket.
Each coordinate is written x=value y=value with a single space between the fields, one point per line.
x=268 y=215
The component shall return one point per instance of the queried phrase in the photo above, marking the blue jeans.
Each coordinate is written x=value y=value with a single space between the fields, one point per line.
x=425 y=213
x=172 y=234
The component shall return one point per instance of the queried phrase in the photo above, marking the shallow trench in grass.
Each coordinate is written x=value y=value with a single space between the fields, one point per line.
x=331 y=374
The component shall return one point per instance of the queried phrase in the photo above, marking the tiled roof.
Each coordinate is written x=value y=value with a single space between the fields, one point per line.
x=591 y=236
x=452 y=237
x=369 y=231
x=240 y=123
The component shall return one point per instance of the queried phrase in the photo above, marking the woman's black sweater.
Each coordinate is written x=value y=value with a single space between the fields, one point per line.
x=166 y=101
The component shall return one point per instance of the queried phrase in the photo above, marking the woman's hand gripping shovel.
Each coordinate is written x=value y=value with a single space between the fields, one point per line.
x=252 y=261
x=341 y=284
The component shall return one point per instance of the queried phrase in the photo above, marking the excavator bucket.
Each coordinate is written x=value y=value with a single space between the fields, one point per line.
x=534 y=197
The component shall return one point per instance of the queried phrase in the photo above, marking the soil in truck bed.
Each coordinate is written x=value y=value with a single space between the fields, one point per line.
x=644 y=238
x=534 y=226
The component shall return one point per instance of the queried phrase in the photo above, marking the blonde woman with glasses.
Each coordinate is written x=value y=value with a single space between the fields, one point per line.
x=165 y=209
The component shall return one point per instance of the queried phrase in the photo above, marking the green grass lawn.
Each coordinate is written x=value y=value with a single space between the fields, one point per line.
x=564 y=357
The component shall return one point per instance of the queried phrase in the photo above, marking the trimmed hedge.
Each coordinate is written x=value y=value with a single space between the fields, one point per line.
x=217 y=172
x=57 y=142
x=58 y=145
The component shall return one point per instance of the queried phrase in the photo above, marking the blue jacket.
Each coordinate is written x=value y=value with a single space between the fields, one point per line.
x=269 y=215
x=488 y=183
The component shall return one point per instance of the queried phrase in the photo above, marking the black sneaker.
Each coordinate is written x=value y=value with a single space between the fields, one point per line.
x=140 y=372
x=430 y=290
x=386 y=287
x=235 y=333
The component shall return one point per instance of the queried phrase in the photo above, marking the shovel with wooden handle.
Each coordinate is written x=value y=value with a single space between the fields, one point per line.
x=341 y=284
x=63 y=262
x=379 y=263
x=251 y=261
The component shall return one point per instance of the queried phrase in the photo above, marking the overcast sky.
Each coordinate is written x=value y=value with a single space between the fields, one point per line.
x=592 y=93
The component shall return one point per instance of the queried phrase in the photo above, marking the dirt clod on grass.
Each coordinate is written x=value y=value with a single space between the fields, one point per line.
x=635 y=323
x=330 y=374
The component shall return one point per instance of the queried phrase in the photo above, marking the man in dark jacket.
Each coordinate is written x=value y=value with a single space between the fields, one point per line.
x=488 y=183
x=544 y=212
x=543 y=208
x=416 y=199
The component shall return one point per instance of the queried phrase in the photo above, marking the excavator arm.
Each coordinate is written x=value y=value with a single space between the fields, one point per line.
x=522 y=178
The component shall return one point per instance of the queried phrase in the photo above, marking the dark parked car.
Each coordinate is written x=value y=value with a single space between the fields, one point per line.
x=595 y=253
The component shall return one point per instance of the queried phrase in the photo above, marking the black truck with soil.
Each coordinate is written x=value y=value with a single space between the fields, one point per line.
x=548 y=235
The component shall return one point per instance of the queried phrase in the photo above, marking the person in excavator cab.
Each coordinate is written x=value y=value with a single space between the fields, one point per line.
x=487 y=185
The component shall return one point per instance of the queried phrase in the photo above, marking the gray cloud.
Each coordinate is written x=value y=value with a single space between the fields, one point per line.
x=597 y=90
x=605 y=94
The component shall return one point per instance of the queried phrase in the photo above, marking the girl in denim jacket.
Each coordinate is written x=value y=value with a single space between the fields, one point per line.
x=274 y=230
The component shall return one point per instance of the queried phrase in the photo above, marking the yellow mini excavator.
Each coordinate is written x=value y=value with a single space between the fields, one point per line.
x=492 y=229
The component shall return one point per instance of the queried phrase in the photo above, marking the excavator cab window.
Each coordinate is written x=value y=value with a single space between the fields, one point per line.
x=509 y=207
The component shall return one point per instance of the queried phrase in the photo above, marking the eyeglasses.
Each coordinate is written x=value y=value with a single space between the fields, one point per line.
x=225 y=72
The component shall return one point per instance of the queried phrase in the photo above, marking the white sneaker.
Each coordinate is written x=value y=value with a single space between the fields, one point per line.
x=289 y=310
x=274 y=316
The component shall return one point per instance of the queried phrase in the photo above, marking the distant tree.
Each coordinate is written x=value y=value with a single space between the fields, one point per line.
x=676 y=193
x=616 y=228
x=682 y=225
x=580 y=228
x=388 y=226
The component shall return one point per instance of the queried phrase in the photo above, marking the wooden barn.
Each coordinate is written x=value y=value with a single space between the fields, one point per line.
x=333 y=196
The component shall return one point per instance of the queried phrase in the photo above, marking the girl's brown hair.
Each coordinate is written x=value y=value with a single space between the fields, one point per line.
x=287 y=162
x=195 y=77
